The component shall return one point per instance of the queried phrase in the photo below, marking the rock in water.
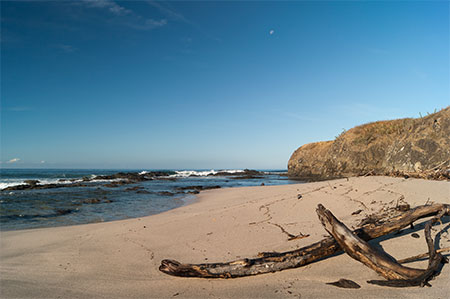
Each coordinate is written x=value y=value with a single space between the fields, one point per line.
x=345 y=283
x=31 y=182
x=400 y=146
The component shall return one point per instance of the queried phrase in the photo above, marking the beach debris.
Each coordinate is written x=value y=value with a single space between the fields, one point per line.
x=414 y=235
x=345 y=283
x=432 y=174
x=403 y=207
x=369 y=173
x=267 y=262
x=422 y=255
x=297 y=237
x=290 y=236
x=299 y=196
x=357 y=212
x=396 y=274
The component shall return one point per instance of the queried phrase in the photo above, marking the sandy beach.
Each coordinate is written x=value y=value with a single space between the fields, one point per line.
x=120 y=259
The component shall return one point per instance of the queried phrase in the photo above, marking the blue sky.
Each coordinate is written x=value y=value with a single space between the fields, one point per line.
x=144 y=84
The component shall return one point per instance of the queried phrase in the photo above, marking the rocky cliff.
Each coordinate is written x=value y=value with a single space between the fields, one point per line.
x=414 y=147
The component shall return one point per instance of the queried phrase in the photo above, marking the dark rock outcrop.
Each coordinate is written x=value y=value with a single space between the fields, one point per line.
x=409 y=147
x=120 y=179
x=247 y=173
x=134 y=176
x=143 y=192
x=166 y=193
x=96 y=200
x=199 y=188
x=118 y=183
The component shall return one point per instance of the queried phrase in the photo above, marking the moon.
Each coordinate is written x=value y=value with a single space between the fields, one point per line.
x=271 y=31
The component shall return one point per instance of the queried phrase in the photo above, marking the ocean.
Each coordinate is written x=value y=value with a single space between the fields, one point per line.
x=34 y=198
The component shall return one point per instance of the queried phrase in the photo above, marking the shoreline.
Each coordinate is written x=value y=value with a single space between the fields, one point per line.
x=98 y=197
x=187 y=199
x=121 y=258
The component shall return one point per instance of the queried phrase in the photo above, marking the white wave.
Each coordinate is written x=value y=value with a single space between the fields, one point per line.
x=275 y=172
x=4 y=185
x=188 y=173
x=71 y=181
x=143 y=172
x=15 y=182
x=57 y=181
x=106 y=181
x=232 y=171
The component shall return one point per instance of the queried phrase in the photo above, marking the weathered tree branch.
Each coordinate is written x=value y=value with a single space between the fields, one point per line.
x=435 y=261
x=275 y=261
x=362 y=251
x=383 y=264
x=422 y=255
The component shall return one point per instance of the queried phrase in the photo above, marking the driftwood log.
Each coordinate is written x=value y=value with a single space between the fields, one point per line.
x=422 y=255
x=396 y=274
x=276 y=261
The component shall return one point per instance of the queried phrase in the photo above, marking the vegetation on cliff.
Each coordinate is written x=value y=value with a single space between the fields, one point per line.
x=414 y=147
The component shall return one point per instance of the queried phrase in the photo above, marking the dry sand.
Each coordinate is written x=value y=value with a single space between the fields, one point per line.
x=120 y=259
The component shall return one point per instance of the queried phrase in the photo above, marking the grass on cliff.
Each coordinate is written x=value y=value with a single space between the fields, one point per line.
x=365 y=134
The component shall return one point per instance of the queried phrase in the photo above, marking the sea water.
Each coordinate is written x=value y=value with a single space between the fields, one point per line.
x=34 y=208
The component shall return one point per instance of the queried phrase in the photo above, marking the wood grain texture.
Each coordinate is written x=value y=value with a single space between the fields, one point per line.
x=396 y=274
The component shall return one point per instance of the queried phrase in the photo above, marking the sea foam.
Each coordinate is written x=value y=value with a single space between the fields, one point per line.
x=5 y=183
x=194 y=173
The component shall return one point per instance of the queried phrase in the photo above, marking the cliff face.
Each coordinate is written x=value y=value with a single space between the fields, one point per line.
x=402 y=146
